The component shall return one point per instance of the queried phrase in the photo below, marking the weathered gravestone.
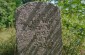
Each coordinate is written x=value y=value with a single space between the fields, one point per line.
x=38 y=29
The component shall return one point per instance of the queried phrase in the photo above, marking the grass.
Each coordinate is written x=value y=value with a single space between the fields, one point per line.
x=7 y=41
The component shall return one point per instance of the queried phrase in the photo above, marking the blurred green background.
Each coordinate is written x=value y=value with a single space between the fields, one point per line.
x=73 y=25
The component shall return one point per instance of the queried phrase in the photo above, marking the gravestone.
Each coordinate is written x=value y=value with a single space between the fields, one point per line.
x=38 y=29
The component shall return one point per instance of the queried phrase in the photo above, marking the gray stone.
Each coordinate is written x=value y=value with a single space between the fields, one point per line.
x=38 y=29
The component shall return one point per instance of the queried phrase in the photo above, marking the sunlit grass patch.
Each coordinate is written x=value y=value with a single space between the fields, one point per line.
x=7 y=41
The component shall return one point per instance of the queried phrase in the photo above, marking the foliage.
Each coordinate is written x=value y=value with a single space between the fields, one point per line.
x=7 y=8
x=73 y=28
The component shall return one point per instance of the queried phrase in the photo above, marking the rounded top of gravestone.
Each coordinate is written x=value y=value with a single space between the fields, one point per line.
x=34 y=4
x=33 y=10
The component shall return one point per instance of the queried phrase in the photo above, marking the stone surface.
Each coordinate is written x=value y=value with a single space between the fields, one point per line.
x=38 y=29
